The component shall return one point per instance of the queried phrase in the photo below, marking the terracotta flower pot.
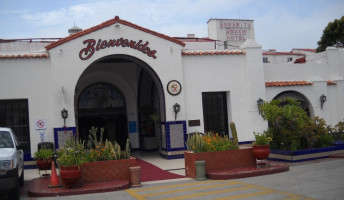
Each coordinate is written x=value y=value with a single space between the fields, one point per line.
x=261 y=152
x=70 y=176
x=44 y=164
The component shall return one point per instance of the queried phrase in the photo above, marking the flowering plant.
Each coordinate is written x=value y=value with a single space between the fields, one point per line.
x=261 y=139
x=107 y=151
x=209 y=142
x=214 y=142
x=97 y=150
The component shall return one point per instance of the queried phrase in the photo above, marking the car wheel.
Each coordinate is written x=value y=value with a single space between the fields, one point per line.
x=15 y=192
x=21 y=179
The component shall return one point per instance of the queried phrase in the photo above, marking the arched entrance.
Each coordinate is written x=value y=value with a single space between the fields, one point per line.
x=123 y=95
x=304 y=103
x=103 y=106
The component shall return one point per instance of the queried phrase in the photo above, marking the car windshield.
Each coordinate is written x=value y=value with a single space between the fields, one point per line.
x=6 y=140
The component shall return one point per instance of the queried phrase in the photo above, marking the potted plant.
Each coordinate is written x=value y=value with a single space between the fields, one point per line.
x=44 y=158
x=261 y=146
x=70 y=157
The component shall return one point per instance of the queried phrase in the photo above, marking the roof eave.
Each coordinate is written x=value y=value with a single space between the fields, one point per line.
x=109 y=23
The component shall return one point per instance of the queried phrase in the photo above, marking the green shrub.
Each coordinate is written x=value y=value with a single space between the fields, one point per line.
x=293 y=129
x=325 y=140
x=44 y=154
x=287 y=121
x=261 y=139
x=72 y=153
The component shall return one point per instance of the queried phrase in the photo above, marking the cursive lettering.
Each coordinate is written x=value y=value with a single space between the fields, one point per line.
x=92 y=46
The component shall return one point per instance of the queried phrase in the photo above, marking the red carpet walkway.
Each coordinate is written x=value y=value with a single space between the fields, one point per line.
x=151 y=172
x=38 y=187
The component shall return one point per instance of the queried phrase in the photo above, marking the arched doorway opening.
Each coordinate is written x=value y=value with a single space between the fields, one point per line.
x=103 y=106
x=123 y=95
x=304 y=103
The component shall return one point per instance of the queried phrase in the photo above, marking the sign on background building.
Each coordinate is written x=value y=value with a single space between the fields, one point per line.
x=234 y=31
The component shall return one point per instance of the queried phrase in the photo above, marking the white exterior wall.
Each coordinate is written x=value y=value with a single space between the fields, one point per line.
x=168 y=66
x=318 y=74
x=199 y=45
x=216 y=74
x=22 y=46
x=307 y=53
x=255 y=86
x=240 y=76
x=30 y=79
x=281 y=59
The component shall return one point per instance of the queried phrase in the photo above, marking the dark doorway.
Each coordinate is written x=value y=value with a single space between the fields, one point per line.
x=295 y=95
x=149 y=113
x=15 y=115
x=101 y=105
x=215 y=113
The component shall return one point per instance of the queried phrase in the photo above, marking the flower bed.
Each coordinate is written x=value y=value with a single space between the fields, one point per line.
x=303 y=155
x=229 y=159
x=104 y=171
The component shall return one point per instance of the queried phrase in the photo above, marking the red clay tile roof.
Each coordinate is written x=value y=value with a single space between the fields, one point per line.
x=286 y=83
x=282 y=53
x=187 y=39
x=3 y=57
x=331 y=83
x=300 y=60
x=106 y=24
x=219 y=52
x=311 y=50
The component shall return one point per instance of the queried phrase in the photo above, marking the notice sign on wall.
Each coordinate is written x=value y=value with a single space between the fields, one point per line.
x=40 y=124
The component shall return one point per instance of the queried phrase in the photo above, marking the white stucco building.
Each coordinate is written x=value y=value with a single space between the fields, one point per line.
x=129 y=79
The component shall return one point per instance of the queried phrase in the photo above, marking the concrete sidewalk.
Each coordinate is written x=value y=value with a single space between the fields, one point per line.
x=317 y=179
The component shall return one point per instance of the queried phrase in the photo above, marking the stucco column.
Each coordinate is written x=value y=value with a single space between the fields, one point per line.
x=255 y=84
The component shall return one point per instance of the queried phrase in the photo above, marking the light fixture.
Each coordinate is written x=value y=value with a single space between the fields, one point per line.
x=322 y=100
x=176 y=109
x=260 y=102
x=64 y=115
x=118 y=26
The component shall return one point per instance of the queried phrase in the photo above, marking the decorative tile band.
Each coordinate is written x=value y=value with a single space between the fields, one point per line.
x=175 y=136
x=62 y=134
x=296 y=156
x=172 y=153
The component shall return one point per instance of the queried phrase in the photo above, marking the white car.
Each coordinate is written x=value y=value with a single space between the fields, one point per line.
x=11 y=163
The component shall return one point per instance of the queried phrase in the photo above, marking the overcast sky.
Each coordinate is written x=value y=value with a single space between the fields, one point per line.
x=279 y=24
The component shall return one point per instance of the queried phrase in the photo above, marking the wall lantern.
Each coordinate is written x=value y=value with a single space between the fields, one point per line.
x=260 y=102
x=176 y=109
x=64 y=115
x=322 y=100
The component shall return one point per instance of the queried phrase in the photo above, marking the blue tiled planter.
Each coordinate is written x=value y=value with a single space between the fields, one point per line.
x=309 y=154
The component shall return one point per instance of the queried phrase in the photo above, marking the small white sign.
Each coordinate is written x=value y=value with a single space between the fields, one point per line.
x=40 y=124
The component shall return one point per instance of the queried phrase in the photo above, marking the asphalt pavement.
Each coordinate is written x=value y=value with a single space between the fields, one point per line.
x=319 y=179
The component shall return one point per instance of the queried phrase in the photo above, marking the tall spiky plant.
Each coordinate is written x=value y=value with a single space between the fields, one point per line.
x=127 y=149
x=92 y=137
x=234 y=134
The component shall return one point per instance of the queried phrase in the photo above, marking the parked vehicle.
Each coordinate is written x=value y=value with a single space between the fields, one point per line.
x=11 y=163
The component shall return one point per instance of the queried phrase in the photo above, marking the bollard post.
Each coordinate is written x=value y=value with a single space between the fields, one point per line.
x=135 y=176
x=200 y=170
